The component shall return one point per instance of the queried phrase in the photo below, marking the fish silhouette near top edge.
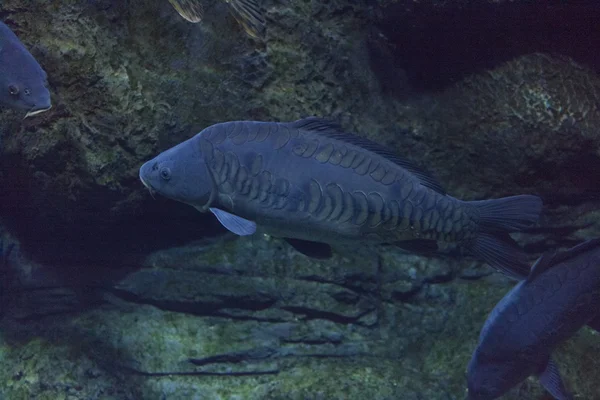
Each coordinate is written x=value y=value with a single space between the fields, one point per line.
x=23 y=82
x=248 y=13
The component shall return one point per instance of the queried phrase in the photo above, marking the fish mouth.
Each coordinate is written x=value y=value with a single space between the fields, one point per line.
x=150 y=188
x=34 y=111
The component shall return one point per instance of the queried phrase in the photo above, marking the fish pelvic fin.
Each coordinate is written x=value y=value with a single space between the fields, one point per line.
x=191 y=10
x=551 y=381
x=320 y=251
x=497 y=218
x=249 y=15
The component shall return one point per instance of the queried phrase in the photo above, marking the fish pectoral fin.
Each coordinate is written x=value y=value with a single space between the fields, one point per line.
x=594 y=323
x=311 y=249
x=249 y=15
x=419 y=246
x=191 y=10
x=238 y=225
x=552 y=382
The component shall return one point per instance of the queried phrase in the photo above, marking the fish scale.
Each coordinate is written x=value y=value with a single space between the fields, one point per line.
x=337 y=195
x=560 y=295
x=309 y=181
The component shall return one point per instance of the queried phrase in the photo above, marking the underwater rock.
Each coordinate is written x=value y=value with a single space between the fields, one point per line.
x=220 y=332
x=536 y=93
x=431 y=44
x=243 y=309
x=227 y=285
x=530 y=119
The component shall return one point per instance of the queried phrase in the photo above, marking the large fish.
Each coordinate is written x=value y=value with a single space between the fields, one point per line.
x=23 y=84
x=561 y=294
x=247 y=13
x=307 y=181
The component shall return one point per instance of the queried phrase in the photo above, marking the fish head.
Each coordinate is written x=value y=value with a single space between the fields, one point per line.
x=23 y=82
x=489 y=378
x=179 y=173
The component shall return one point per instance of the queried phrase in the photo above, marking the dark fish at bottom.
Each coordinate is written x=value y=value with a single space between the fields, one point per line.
x=310 y=182
x=561 y=294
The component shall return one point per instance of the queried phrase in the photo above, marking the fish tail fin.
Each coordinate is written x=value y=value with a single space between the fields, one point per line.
x=497 y=218
x=508 y=214
x=191 y=10
x=250 y=16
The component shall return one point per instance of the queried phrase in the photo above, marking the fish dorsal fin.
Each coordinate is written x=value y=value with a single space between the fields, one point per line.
x=547 y=260
x=333 y=130
x=542 y=264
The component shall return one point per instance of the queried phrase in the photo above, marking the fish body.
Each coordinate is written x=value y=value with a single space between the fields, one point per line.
x=307 y=180
x=23 y=82
x=561 y=294
x=247 y=12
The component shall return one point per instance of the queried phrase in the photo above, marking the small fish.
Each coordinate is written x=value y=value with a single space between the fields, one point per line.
x=23 y=83
x=561 y=294
x=310 y=182
x=246 y=12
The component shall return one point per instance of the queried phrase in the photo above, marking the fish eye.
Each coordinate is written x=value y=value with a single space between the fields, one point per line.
x=13 y=90
x=165 y=173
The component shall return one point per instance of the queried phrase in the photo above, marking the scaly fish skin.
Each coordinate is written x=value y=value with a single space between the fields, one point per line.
x=308 y=180
x=561 y=294
x=307 y=186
